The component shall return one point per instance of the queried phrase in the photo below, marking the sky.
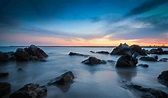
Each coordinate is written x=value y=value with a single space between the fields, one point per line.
x=83 y=22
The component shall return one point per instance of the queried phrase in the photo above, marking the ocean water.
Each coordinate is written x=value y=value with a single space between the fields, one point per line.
x=100 y=81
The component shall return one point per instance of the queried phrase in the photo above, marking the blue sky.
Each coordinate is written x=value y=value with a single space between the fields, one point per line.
x=86 y=20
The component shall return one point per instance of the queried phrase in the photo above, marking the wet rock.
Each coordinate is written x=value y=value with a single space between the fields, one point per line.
x=77 y=54
x=92 y=51
x=64 y=79
x=4 y=74
x=143 y=65
x=93 y=61
x=11 y=56
x=163 y=60
x=19 y=69
x=163 y=78
x=22 y=55
x=3 y=57
x=149 y=58
x=158 y=51
x=138 y=49
x=127 y=61
x=30 y=90
x=4 y=88
x=110 y=61
x=120 y=50
x=103 y=52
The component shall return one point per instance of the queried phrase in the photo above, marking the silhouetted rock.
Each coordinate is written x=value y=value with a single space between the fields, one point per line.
x=163 y=78
x=3 y=57
x=137 y=49
x=120 y=50
x=4 y=74
x=4 y=88
x=30 y=91
x=158 y=51
x=143 y=65
x=103 y=52
x=11 y=56
x=127 y=61
x=19 y=69
x=92 y=51
x=64 y=79
x=164 y=60
x=146 y=92
x=77 y=54
x=110 y=61
x=93 y=61
x=149 y=58
x=22 y=55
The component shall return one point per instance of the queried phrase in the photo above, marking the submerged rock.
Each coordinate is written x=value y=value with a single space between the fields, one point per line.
x=163 y=78
x=77 y=54
x=127 y=61
x=103 y=52
x=4 y=74
x=158 y=51
x=93 y=61
x=143 y=65
x=163 y=60
x=149 y=58
x=30 y=90
x=92 y=51
x=4 y=88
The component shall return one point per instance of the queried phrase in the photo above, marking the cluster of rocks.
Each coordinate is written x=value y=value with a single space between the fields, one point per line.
x=23 y=54
x=147 y=58
x=158 y=51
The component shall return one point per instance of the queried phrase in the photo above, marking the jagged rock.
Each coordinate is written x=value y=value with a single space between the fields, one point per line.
x=103 y=52
x=127 y=61
x=4 y=74
x=64 y=79
x=149 y=58
x=77 y=54
x=93 y=61
x=143 y=65
x=163 y=78
x=4 y=88
x=158 y=51
x=137 y=49
x=120 y=50
x=164 y=60
x=3 y=57
x=30 y=90
x=22 y=55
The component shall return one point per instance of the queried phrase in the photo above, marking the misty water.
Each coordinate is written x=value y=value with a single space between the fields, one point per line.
x=100 y=81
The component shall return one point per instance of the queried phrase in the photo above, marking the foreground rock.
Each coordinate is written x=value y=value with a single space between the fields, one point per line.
x=30 y=91
x=146 y=92
x=127 y=61
x=149 y=58
x=4 y=88
x=122 y=49
x=3 y=57
x=143 y=65
x=158 y=51
x=93 y=61
x=4 y=74
x=103 y=52
x=77 y=54
x=163 y=78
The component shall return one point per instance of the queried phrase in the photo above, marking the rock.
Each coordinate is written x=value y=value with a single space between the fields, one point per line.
x=64 y=79
x=77 y=54
x=149 y=58
x=3 y=57
x=164 y=60
x=143 y=65
x=120 y=50
x=22 y=55
x=110 y=61
x=103 y=52
x=163 y=78
x=30 y=90
x=92 y=51
x=11 y=56
x=138 y=49
x=4 y=74
x=19 y=69
x=158 y=51
x=4 y=88
x=127 y=61
x=146 y=92
x=93 y=61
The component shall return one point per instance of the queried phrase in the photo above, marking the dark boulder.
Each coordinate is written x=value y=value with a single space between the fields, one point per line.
x=158 y=51
x=143 y=65
x=149 y=58
x=4 y=74
x=127 y=61
x=163 y=60
x=4 y=88
x=137 y=49
x=22 y=55
x=64 y=79
x=120 y=50
x=3 y=57
x=30 y=91
x=92 y=51
x=103 y=52
x=93 y=61
x=77 y=54
x=163 y=78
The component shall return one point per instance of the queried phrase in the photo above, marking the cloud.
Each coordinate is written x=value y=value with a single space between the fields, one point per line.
x=145 y=7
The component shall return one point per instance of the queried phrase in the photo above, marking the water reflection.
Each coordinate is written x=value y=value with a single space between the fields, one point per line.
x=126 y=74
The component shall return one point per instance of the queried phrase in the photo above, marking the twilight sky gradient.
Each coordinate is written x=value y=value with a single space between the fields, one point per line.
x=83 y=22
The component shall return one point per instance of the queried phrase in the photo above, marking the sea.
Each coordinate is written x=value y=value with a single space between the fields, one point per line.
x=99 y=81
